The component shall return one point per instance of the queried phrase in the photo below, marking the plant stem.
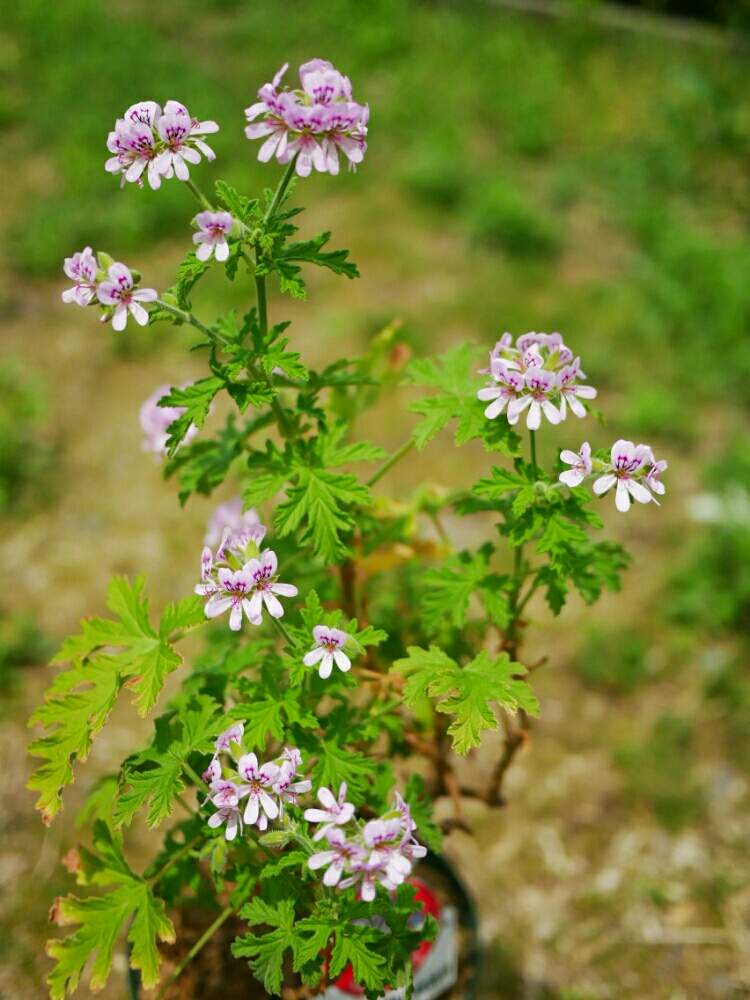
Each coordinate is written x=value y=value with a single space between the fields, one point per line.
x=390 y=462
x=225 y=914
x=282 y=630
x=262 y=298
x=173 y=860
x=186 y=317
x=199 y=194
x=279 y=193
x=532 y=448
x=198 y=782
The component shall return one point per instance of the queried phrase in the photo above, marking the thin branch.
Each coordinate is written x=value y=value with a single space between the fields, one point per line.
x=405 y=448
x=225 y=914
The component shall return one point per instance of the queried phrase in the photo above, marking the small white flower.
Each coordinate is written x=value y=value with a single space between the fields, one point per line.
x=626 y=472
x=335 y=811
x=119 y=292
x=211 y=238
x=580 y=465
x=327 y=650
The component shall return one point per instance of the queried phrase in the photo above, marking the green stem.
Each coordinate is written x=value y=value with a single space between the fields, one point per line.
x=405 y=448
x=186 y=317
x=198 y=782
x=199 y=194
x=152 y=879
x=527 y=596
x=225 y=914
x=279 y=192
x=532 y=445
x=281 y=629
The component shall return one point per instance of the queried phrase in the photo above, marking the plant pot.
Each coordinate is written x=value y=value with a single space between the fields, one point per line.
x=446 y=969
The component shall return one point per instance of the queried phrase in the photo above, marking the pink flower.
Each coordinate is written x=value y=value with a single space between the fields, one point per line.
x=229 y=591
x=259 y=780
x=327 y=650
x=537 y=372
x=508 y=385
x=312 y=123
x=233 y=529
x=232 y=735
x=540 y=384
x=627 y=472
x=161 y=143
x=118 y=293
x=262 y=572
x=287 y=786
x=340 y=855
x=156 y=420
x=214 y=227
x=82 y=269
x=226 y=797
x=242 y=590
x=380 y=853
x=335 y=812
x=653 y=476
x=580 y=465
x=571 y=393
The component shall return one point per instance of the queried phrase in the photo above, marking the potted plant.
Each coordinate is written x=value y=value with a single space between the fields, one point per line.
x=350 y=651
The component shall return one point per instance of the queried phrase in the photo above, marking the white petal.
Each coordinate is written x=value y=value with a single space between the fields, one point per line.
x=604 y=483
x=638 y=491
x=622 y=496
x=273 y=604
x=342 y=660
x=314 y=656
x=235 y=618
x=251 y=810
x=571 y=477
x=326 y=666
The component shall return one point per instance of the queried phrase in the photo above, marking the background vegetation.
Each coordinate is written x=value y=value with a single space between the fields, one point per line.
x=523 y=173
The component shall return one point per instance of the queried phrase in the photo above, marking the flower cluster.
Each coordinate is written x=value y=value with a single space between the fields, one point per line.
x=156 y=420
x=379 y=852
x=238 y=577
x=328 y=649
x=158 y=142
x=246 y=792
x=311 y=123
x=113 y=285
x=538 y=374
x=632 y=469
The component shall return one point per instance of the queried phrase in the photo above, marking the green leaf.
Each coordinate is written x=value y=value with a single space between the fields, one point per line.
x=154 y=777
x=102 y=919
x=320 y=503
x=203 y=465
x=466 y=692
x=266 y=951
x=196 y=399
x=289 y=256
x=498 y=484
x=189 y=273
x=454 y=375
x=81 y=697
x=336 y=764
x=355 y=946
x=448 y=589
x=236 y=204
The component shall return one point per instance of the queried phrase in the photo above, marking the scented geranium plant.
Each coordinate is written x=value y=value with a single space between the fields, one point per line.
x=350 y=652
